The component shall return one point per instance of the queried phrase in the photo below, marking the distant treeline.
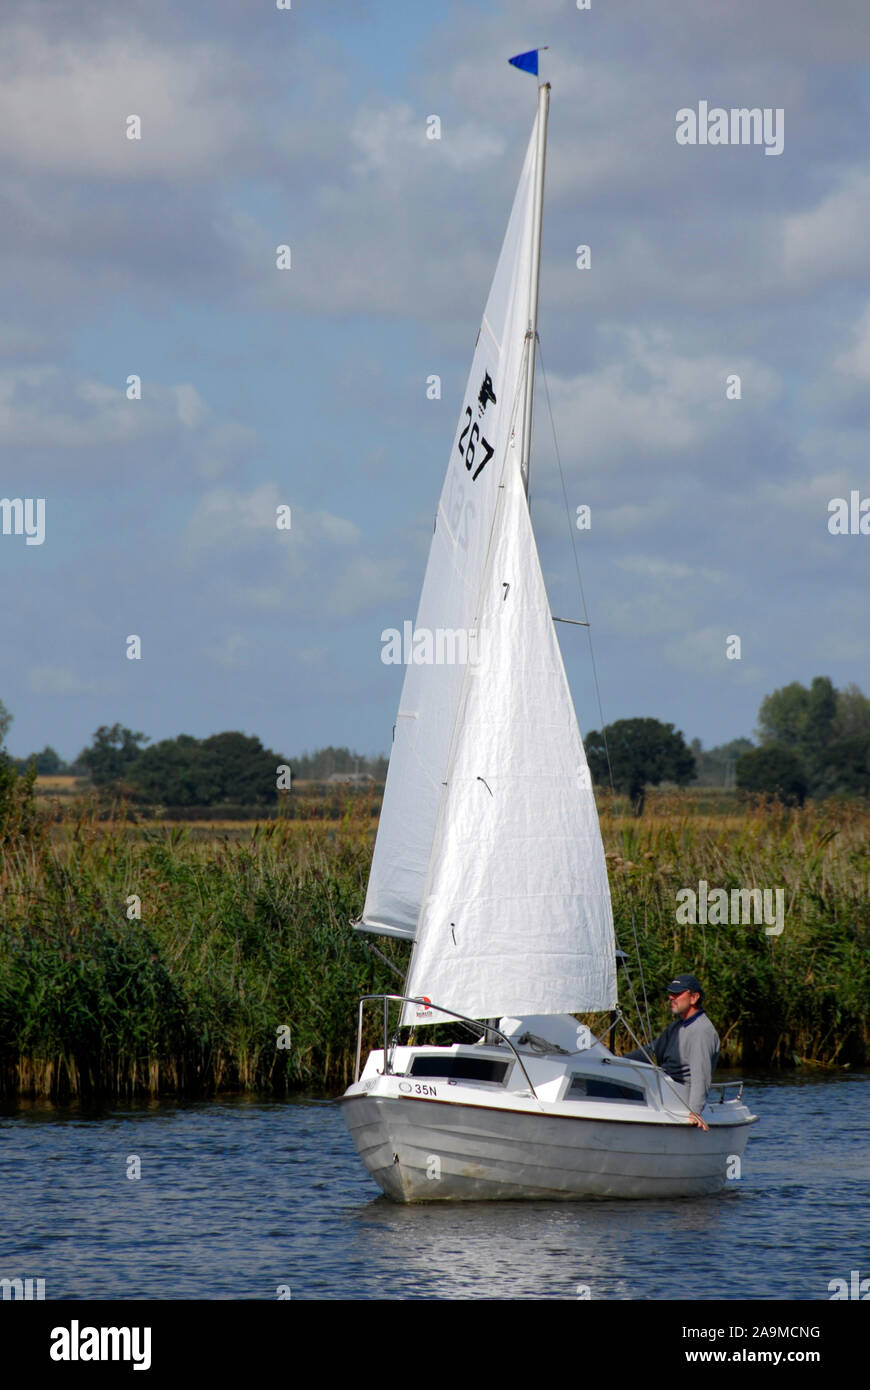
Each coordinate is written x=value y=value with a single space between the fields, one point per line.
x=326 y=762
x=813 y=741
x=230 y=770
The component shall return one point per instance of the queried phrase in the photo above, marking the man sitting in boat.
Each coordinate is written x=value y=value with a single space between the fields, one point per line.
x=688 y=1049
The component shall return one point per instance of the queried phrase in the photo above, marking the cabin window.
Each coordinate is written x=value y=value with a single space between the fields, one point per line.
x=461 y=1068
x=589 y=1088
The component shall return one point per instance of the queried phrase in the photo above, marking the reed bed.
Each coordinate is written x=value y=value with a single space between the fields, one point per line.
x=244 y=933
x=801 y=997
x=240 y=938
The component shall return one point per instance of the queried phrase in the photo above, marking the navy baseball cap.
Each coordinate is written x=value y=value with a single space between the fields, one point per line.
x=681 y=982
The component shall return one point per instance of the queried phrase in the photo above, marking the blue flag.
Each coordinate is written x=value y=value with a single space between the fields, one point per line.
x=526 y=62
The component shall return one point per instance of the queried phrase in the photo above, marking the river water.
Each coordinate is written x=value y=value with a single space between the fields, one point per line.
x=238 y=1199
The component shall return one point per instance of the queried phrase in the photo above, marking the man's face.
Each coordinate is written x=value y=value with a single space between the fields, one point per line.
x=684 y=1003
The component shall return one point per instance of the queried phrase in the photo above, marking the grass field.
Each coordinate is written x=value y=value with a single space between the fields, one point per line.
x=243 y=942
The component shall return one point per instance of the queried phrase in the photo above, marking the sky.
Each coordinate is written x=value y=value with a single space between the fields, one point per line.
x=306 y=127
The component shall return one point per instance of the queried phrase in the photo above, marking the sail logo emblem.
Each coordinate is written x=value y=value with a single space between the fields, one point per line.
x=424 y=1007
x=486 y=395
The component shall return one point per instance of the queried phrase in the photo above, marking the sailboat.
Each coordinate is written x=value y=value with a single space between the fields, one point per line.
x=489 y=858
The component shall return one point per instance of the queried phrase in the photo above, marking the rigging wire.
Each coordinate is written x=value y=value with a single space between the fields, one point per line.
x=588 y=627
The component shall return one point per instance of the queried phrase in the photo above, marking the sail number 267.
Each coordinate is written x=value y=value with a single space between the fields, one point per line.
x=468 y=450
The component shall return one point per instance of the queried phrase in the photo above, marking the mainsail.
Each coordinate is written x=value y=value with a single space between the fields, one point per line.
x=452 y=585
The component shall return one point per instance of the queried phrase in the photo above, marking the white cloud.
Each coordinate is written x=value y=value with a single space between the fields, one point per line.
x=855 y=360
x=53 y=407
x=48 y=406
x=319 y=565
x=830 y=241
x=231 y=652
x=651 y=567
x=226 y=518
x=365 y=581
x=64 y=103
x=191 y=407
x=703 y=650
x=390 y=138
x=812 y=491
x=653 y=399
x=58 y=680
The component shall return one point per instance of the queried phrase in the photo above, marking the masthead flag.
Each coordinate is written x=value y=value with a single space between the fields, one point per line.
x=527 y=62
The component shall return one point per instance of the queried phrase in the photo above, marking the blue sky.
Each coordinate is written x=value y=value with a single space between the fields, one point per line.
x=307 y=127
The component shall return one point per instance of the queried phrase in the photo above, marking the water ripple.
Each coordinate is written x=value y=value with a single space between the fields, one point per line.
x=238 y=1197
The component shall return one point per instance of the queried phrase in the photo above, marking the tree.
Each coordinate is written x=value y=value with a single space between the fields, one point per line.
x=112 y=755
x=185 y=771
x=19 y=818
x=821 y=709
x=245 y=770
x=782 y=715
x=175 y=773
x=642 y=752
x=827 y=730
x=853 y=713
x=847 y=766
x=800 y=718
x=49 y=763
x=775 y=770
x=5 y=721
x=715 y=766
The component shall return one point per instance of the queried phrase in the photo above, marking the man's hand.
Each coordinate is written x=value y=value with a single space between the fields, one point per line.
x=696 y=1120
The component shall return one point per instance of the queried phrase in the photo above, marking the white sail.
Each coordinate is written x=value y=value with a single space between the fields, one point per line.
x=517 y=918
x=451 y=588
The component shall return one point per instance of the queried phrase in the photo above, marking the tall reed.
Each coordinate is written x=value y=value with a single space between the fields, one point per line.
x=802 y=995
x=239 y=940
x=245 y=933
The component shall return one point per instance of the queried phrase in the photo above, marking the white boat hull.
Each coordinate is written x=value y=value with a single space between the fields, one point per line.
x=484 y=1154
x=430 y=1140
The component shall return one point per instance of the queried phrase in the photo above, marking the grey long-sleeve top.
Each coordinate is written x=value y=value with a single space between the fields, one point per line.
x=688 y=1050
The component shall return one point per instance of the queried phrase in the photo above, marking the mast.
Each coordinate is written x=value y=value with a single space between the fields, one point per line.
x=532 y=332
